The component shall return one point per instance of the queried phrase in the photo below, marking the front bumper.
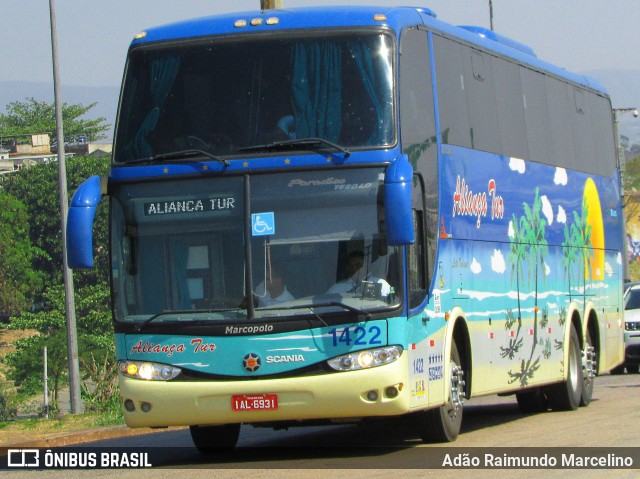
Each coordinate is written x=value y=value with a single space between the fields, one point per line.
x=338 y=395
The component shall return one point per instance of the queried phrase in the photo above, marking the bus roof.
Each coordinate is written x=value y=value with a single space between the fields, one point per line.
x=396 y=18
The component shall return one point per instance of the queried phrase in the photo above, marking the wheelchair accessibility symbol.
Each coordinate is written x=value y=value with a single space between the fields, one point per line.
x=263 y=224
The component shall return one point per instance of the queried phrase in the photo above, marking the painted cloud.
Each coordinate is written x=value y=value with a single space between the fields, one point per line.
x=497 y=261
x=547 y=209
x=516 y=164
x=560 y=178
x=476 y=268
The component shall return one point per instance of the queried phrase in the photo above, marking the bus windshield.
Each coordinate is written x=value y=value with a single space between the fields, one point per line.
x=229 y=96
x=316 y=246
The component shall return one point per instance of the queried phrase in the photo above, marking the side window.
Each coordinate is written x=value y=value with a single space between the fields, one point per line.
x=417 y=119
x=513 y=133
x=602 y=126
x=560 y=115
x=582 y=133
x=419 y=143
x=452 y=101
x=417 y=252
x=534 y=97
x=481 y=101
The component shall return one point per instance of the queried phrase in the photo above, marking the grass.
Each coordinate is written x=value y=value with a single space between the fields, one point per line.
x=29 y=429
x=25 y=428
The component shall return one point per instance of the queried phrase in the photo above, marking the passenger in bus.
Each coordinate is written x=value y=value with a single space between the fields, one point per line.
x=276 y=290
x=359 y=279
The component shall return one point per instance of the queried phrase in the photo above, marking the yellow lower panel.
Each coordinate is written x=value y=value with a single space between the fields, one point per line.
x=329 y=396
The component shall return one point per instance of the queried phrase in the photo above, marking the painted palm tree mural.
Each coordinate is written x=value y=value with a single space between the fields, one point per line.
x=517 y=255
x=528 y=240
x=530 y=267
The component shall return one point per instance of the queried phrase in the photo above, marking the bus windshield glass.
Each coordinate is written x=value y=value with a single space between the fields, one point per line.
x=230 y=96
x=316 y=247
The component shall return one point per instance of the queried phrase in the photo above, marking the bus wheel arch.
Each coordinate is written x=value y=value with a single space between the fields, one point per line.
x=460 y=337
x=443 y=423
x=566 y=396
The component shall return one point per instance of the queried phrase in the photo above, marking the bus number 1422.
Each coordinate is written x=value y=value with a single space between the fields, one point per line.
x=357 y=336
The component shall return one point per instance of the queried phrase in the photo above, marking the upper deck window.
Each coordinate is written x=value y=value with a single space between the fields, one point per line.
x=222 y=95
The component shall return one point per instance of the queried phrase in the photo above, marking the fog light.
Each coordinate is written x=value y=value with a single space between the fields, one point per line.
x=372 y=395
x=129 y=405
x=145 y=406
x=391 y=392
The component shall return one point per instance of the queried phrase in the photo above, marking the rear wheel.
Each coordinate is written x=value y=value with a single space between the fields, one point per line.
x=618 y=370
x=215 y=439
x=443 y=424
x=589 y=370
x=633 y=368
x=532 y=401
x=566 y=396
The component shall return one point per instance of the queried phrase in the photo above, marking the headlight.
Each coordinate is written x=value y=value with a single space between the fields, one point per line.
x=148 y=371
x=369 y=358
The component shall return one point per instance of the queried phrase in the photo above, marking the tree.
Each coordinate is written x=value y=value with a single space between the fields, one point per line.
x=95 y=338
x=17 y=277
x=32 y=116
x=37 y=188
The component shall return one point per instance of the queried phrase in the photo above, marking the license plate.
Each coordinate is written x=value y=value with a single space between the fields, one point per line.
x=254 y=402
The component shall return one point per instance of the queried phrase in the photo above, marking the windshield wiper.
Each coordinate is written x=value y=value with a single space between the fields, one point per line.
x=181 y=154
x=311 y=306
x=304 y=143
x=150 y=319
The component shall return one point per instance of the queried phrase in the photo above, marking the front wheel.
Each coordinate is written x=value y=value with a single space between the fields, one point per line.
x=443 y=424
x=215 y=439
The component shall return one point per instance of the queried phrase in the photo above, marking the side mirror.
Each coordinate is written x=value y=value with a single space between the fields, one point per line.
x=398 y=189
x=82 y=211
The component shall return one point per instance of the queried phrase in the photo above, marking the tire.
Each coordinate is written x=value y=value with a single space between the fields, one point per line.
x=215 y=439
x=532 y=401
x=566 y=396
x=589 y=370
x=618 y=370
x=633 y=368
x=443 y=424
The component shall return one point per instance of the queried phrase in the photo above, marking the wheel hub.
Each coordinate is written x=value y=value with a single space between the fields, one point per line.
x=589 y=363
x=457 y=390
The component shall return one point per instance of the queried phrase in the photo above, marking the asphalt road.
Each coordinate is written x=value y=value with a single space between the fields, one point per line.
x=392 y=448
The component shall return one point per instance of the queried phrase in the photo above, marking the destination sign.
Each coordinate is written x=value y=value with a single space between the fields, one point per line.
x=189 y=206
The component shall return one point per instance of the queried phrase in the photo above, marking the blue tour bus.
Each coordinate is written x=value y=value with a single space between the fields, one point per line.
x=341 y=213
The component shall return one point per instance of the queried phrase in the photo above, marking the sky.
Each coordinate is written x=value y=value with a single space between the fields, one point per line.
x=93 y=35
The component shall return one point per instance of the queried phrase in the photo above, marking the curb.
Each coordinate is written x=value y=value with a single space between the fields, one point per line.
x=85 y=435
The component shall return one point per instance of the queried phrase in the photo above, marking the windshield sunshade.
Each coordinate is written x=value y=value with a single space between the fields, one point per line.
x=222 y=96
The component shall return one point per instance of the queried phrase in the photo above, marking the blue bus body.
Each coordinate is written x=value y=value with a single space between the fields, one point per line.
x=497 y=259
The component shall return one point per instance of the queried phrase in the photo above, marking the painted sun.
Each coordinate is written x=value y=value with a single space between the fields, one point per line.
x=594 y=220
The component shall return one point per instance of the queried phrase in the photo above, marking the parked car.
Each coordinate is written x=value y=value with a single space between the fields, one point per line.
x=631 y=330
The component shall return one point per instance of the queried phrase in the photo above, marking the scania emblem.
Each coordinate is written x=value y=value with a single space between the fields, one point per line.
x=251 y=362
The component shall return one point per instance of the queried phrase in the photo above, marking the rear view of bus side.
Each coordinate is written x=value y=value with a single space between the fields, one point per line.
x=341 y=213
